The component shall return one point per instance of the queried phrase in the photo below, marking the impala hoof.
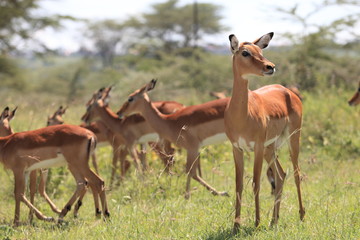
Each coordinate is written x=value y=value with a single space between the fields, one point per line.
x=61 y=221
x=220 y=193
x=187 y=196
x=224 y=194
x=49 y=219
x=236 y=228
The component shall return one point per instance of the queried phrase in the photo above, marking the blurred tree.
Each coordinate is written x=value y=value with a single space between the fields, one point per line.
x=19 y=21
x=170 y=26
x=312 y=47
x=107 y=36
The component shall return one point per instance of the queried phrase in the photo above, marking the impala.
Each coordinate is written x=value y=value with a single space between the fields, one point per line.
x=104 y=136
x=133 y=129
x=260 y=121
x=190 y=128
x=6 y=130
x=355 y=100
x=25 y=152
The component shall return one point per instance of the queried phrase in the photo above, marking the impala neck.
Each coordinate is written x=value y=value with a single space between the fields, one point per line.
x=238 y=106
x=109 y=118
x=3 y=141
x=156 y=119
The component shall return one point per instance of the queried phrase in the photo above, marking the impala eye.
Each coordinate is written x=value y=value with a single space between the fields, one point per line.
x=130 y=99
x=245 y=53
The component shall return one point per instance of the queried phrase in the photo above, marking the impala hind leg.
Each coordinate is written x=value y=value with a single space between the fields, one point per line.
x=94 y=162
x=294 y=155
x=33 y=189
x=79 y=201
x=279 y=178
x=80 y=188
x=97 y=185
x=191 y=168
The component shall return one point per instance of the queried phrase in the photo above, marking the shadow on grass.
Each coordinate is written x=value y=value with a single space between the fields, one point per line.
x=244 y=231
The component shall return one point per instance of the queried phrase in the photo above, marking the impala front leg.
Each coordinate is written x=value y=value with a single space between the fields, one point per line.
x=259 y=155
x=135 y=156
x=42 y=190
x=239 y=176
x=19 y=196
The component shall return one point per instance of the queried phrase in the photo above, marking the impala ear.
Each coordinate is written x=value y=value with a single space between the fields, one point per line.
x=151 y=85
x=12 y=114
x=5 y=113
x=234 y=43
x=64 y=110
x=263 y=41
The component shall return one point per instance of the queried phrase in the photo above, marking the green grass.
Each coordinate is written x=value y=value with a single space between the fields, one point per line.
x=153 y=206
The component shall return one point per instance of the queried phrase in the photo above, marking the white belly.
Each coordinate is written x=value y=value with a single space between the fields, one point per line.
x=244 y=145
x=249 y=146
x=54 y=162
x=152 y=137
x=215 y=139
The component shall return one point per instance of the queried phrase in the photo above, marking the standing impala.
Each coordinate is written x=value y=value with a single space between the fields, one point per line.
x=25 y=152
x=259 y=121
x=6 y=130
x=189 y=128
x=133 y=129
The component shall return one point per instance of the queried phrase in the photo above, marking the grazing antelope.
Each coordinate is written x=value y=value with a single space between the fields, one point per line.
x=25 y=152
x=259 y=121
x=355 y=100
x=133 y=129
x=189 y=128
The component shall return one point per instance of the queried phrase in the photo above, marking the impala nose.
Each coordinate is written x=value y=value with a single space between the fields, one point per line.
x=269 y=69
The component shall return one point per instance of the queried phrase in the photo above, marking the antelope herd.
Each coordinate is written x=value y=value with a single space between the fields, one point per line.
x=254 y=121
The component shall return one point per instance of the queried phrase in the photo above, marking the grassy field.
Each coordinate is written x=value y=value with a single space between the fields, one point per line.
x=153 y=206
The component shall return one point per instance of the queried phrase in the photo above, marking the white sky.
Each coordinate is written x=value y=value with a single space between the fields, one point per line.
x=248 y=19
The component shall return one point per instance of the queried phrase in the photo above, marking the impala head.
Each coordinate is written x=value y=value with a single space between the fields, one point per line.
x=355 y=100
x=5 y=118
x=134 y=103
x=100 y=98
x=248 y=58
x=56 y=118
